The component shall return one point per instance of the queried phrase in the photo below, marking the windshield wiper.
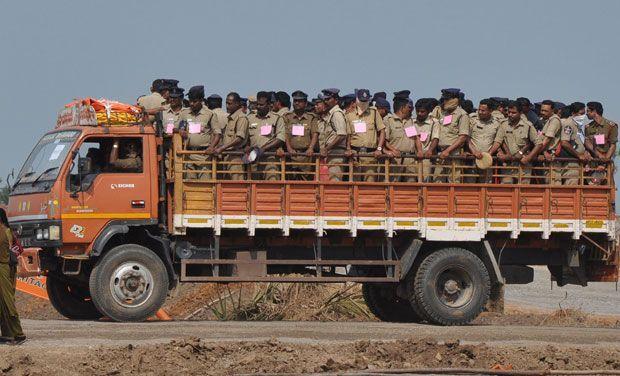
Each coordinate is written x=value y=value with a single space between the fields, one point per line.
x=23 y=176
x=43 y=174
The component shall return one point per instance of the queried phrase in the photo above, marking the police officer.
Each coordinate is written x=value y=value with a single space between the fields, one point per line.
x=130 y=159
x=235 y=136
x=383 y=106
x=202 y=132
x=547 y=143
x=171 y=115
x=427 y=129
x=528 y=112
x=214 y=103
x=302 y=136
x=483 y=138
x=517 y=136
x=251 y=107
x=281 y=103
x=601 y=136
x=154 y=101
x=367 y=135
x=572 y=141
x=453 y=134
x=400 y=136
x=10 y=325
x=498 y=105
x=347 y=103
x=333 y=132
x=267 y=132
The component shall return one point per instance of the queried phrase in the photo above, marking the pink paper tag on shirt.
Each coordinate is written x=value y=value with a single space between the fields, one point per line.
x=599 y=139
x=359 y=126
x=447 y=120
x=265 y=130
x=423 y=136
x=195 y=128
x=411 y=131
x=298 y=130
x=169 y=128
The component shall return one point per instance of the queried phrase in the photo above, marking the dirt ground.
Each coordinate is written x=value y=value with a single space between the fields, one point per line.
x=193 y=356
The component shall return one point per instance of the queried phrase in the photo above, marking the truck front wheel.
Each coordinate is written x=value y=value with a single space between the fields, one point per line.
x=383 y=302
x=129 y=283
x=70 y=299
x=451 y=286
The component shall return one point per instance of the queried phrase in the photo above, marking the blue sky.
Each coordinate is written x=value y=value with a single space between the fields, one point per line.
x=54 y=51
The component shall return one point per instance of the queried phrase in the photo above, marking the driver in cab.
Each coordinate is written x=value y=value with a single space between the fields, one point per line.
x=129 y=159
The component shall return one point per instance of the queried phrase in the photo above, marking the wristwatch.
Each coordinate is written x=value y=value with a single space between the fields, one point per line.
x=520 y=153
x=380 y=148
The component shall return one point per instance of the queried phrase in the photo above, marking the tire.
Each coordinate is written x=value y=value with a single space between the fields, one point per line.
x=129 y=283
x=451 y=286
x=383 y=302
x=70 y=299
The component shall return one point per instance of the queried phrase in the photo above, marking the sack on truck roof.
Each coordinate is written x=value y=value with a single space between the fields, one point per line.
x=92 y=112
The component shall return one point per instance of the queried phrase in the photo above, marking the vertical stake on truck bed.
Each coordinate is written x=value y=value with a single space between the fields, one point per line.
x=319 y=255
x=216 y=249
x=389 y=257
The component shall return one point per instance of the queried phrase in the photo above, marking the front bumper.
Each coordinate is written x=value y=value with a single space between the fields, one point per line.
x=26 y=231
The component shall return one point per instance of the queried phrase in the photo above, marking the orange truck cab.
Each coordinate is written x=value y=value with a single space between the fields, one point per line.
x=114 y=241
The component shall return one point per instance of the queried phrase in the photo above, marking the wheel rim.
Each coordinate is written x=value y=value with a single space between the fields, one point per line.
x=454 y=287
x=131 y=284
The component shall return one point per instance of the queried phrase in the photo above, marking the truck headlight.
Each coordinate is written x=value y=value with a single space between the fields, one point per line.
x=54 y=232
x=39 y=234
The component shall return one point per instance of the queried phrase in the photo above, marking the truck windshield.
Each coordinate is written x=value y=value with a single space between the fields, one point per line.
x=43 y=165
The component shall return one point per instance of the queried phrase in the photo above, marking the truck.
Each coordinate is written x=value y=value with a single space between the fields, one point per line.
x=115 y=243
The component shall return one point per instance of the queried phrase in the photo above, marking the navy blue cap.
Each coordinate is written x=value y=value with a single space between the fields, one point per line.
x=379 y=94
x=404 y=94
x=214 y=96
x=330 y=93
x=349 y=97
x=244 y=101
x=299 y=95
x=176 y=92
x=558 y=105
x=461 y=95
x=169 y=83
x=383 y=103
x=362 y=94
x=451 y=90
x=158 y=84
x=317 y=100
x=196 y=92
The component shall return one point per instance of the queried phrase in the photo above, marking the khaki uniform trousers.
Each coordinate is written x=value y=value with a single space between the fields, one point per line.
x=10 y=325
x=512 y=174
x=444 y=169
x=234 y=165
x=200 y=171
x=404 y=169
x=268 y=168
x=307 y=169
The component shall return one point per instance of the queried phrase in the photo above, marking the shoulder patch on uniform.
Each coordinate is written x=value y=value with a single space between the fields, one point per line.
x=568 y=130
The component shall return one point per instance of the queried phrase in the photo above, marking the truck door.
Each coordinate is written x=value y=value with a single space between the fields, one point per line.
x=108 y=181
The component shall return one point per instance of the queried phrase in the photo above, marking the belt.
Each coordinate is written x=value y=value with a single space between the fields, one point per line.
x=197 y=148
x=363 y=149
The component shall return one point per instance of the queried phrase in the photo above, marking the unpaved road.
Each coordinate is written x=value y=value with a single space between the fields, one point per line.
x=63 y=333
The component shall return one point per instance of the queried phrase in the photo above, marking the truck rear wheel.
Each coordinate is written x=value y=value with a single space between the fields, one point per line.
x=383 y=302
x=129 y=283
x=70 y=299
x=451 y=286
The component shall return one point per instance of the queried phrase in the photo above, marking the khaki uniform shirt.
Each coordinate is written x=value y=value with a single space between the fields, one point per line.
x=5 y=244
x=204 y=123
x=608 y=129
x=428 y=130
x=552 y=128
x=133 y=163
x=484 y=133
x=449 y=131
x=169 y=116
x=236 y=126
x=364 y=127
x=306 y=122
x=264 y=129
x=498 y=115
x=516 y=137
x=570 y=133
x=282 y=112
x=151 y=101
x=396 y=135
x=332 y=125
x=222 y=117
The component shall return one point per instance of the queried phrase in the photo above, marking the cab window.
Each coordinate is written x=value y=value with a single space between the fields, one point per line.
x=105 y=155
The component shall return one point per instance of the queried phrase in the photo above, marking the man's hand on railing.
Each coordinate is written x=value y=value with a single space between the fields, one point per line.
x=444 y=154
x=549 y=157
x=378 y=153
x=477 y=154
x=420 y=154
x=428 y=154
x=209 y=150
x=291 y=151
x=280 y=153
x=350 y=153
x=309 y=152
x=323 y=152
